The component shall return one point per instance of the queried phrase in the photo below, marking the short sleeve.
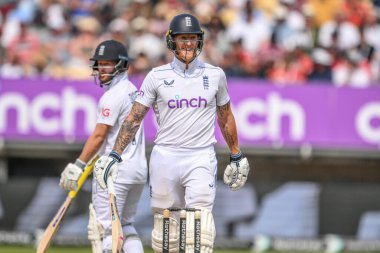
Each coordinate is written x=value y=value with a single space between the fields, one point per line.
x=222 y=96
x=147 y=95
x=108 y=110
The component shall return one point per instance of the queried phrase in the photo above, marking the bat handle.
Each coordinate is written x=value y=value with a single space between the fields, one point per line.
x=110 y=186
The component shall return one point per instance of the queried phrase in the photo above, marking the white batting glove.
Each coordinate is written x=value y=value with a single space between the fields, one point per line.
x=70 y=175
x=236 y=173
x=105 y=167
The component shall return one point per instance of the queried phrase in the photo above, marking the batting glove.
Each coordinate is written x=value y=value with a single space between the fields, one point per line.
x=105 y=167
x=70 y=175
x=236 y=173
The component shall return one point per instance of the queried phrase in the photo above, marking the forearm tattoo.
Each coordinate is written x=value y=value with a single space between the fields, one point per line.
x=222 y=110
x=227 y=125
x=130 y=126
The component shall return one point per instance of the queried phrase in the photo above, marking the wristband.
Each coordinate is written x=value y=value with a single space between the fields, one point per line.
x=116 y=156
x=80 y=163
x=236 y=157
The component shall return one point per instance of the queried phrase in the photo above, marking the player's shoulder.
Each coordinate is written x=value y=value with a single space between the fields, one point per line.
x=119 y=90
x=211 y=68
x=159 y=72
x=125 y=84
x=162 y=68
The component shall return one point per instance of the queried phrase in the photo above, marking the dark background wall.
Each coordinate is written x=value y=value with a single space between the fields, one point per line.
x=350 y=185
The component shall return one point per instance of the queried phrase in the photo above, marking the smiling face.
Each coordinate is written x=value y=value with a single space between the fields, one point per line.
x=186 y=46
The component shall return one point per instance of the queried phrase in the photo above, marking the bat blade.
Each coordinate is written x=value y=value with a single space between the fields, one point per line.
x=54 y=224
x=117 y=230
x=52 y=228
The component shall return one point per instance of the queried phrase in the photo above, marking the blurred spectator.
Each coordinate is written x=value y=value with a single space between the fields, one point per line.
x=267 y=7
x=204 y=10
x=324 y=10
x=322 y=65
x=356 y=11
x=117 y=30
x=291 y=28
x=140 y=65
x=15 y=12
x=159 y=21
x=56 y=40
x=293 y=69
x=371 y=29
x=285 y=41
x=237 y=61
x=11 y=67
x=352 y=69
x=216 y=31
x=376 y=4
x=81 y=46
x=25 y=49
x=55 y=16
x=251 y=27
x=339 y=33
x=216 y=42
x=143 y=42
x=81 y=8
x=268 y=55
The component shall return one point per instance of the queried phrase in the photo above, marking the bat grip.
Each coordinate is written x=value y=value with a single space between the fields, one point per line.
x=110 y=186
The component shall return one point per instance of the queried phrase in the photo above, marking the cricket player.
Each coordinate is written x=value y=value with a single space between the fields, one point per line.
x=186 y=95
x=110 y=65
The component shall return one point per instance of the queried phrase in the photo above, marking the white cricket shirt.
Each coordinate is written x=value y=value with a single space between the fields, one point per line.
x=184 y=101
x=114 y=106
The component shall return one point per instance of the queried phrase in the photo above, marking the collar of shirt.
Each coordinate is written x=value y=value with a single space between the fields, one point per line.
x=180 y=67
x=116 y=80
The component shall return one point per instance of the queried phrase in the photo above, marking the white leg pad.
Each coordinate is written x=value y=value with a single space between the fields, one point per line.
x=207 y=231
x=157 y=234
x=95 y=231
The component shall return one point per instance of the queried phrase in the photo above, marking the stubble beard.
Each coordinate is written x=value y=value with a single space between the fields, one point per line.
x=187 y=55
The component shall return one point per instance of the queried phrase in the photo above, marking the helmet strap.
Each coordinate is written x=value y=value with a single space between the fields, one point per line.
x=196 y=51
x=118 y=69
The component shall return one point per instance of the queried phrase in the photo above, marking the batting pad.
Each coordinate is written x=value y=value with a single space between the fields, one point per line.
x=207 y=231
x=95 y=231
x=157 y=234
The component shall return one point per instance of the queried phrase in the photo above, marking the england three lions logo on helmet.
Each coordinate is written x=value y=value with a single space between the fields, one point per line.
x=188 y=21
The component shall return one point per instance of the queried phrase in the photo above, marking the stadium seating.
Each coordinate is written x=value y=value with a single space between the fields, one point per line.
x=292 y=210
x=42 y=207
x=369 y=226
x=233 y=207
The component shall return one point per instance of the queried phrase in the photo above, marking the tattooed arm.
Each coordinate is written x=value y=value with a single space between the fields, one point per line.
x=226 y=121
x=130 y=126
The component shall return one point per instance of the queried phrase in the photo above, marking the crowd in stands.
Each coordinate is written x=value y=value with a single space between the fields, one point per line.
x=288 y=42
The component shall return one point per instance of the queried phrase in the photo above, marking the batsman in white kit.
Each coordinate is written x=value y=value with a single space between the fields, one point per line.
x=186 y=96
x=110 y=65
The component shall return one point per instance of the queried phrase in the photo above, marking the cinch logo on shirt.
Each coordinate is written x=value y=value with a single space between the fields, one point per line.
x=187 y=103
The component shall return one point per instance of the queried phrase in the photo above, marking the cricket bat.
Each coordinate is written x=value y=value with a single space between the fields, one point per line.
x=54 y=224
x=117 y=230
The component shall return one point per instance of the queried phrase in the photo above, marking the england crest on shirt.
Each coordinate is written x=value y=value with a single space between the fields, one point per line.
x=205 y=82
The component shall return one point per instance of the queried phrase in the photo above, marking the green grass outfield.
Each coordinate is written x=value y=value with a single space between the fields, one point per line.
x=25 y=249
